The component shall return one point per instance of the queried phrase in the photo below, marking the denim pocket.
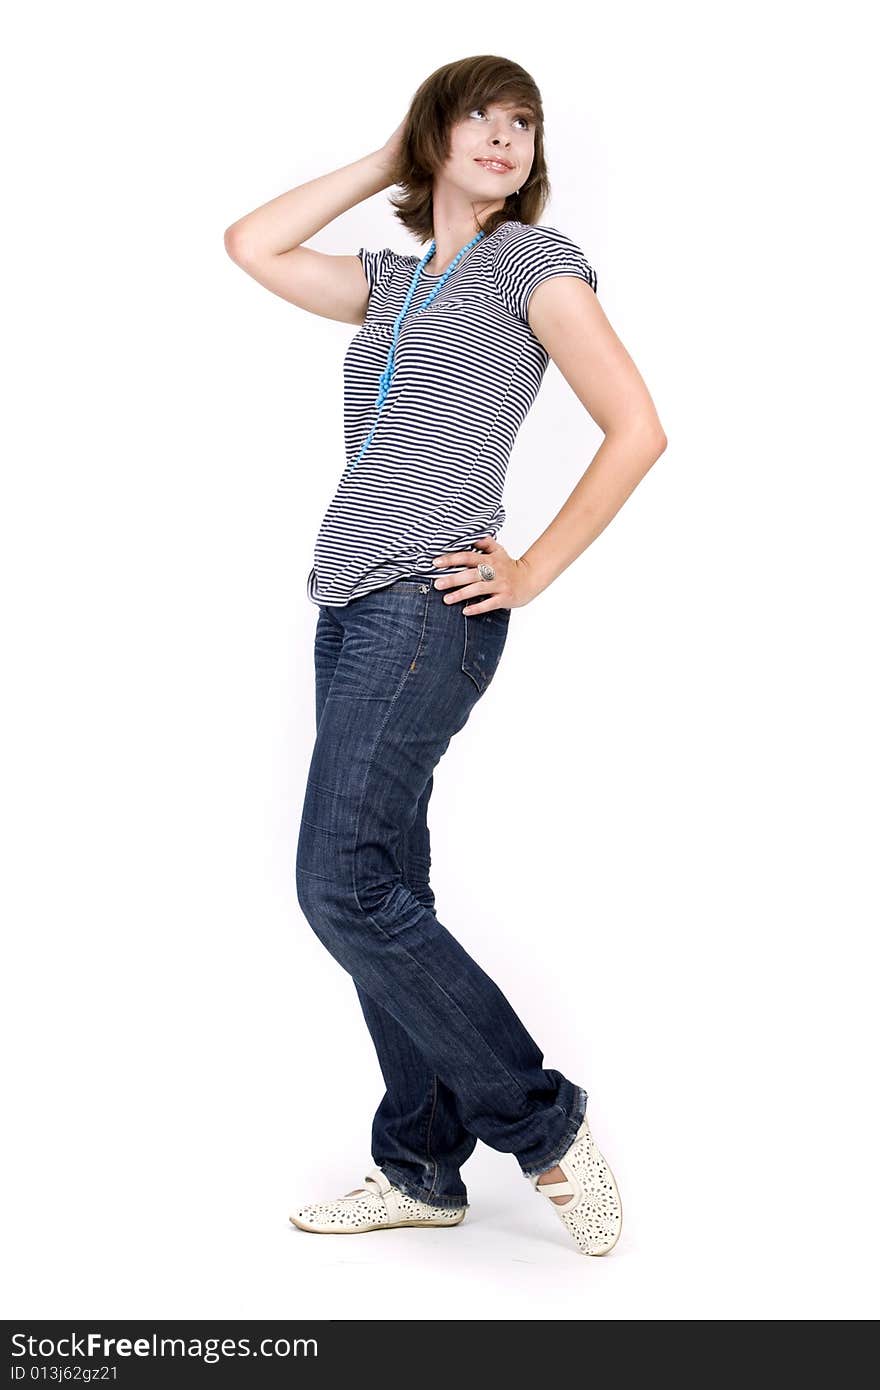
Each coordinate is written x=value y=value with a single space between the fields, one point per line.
x=484 y=638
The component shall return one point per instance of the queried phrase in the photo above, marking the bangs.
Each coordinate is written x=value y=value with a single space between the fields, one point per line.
x=487 y=81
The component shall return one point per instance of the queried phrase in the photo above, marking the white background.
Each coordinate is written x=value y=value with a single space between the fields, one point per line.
x=658 y=831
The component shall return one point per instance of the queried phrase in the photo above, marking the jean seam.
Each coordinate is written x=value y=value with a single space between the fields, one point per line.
x=464 y=652
x=431 y=1160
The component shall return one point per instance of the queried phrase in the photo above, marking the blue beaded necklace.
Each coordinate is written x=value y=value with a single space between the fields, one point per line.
x=385 y=379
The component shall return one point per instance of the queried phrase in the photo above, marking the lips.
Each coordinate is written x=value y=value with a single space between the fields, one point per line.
x=491 y=161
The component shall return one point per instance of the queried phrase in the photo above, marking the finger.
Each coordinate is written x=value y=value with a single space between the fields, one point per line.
x=459 y=577
x=491 y=601
x=483 y=608
x=464 y=589
x=466 y=557
x=455 y=557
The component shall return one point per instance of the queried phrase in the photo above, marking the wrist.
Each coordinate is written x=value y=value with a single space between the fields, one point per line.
x=528 y=582
x=383 y=162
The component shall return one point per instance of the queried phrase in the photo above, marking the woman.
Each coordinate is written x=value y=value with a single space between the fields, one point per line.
x=449 y=356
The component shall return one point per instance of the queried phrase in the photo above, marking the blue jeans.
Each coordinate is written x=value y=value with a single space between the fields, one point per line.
x=397 y=673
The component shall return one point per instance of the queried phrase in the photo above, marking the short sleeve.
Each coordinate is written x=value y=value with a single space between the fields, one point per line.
x=377 y=265
x=528 y=255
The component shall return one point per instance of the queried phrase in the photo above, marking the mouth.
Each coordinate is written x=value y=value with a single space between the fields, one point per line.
x=498 y=166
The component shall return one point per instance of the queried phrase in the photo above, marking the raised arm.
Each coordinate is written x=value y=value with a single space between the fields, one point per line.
x=268 y=243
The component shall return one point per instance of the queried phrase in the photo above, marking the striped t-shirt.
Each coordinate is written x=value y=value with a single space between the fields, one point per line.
x=466 y=374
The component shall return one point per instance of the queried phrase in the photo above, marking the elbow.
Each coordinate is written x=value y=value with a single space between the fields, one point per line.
x=654 y=436
x=231 y=241
x=641 y=430
x=652 y=440
x=234 y=242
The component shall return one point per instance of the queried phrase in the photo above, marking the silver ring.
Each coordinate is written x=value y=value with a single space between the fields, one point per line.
x=486 y=572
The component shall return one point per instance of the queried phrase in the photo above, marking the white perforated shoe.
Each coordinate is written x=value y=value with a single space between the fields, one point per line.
x=593 y=1215
x=380 y=1205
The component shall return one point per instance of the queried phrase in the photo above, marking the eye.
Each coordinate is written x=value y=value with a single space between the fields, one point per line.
x=526 y=122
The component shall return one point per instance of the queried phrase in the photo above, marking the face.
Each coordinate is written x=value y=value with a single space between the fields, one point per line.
x=500 y=131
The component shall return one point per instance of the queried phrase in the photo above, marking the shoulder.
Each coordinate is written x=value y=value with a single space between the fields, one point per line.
x=527 y=253
x=379 y=265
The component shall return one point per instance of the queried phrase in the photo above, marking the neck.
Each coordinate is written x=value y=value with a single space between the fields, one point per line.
x=455 y=224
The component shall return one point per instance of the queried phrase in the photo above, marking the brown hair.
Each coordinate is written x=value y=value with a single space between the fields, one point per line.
x=441 y=100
